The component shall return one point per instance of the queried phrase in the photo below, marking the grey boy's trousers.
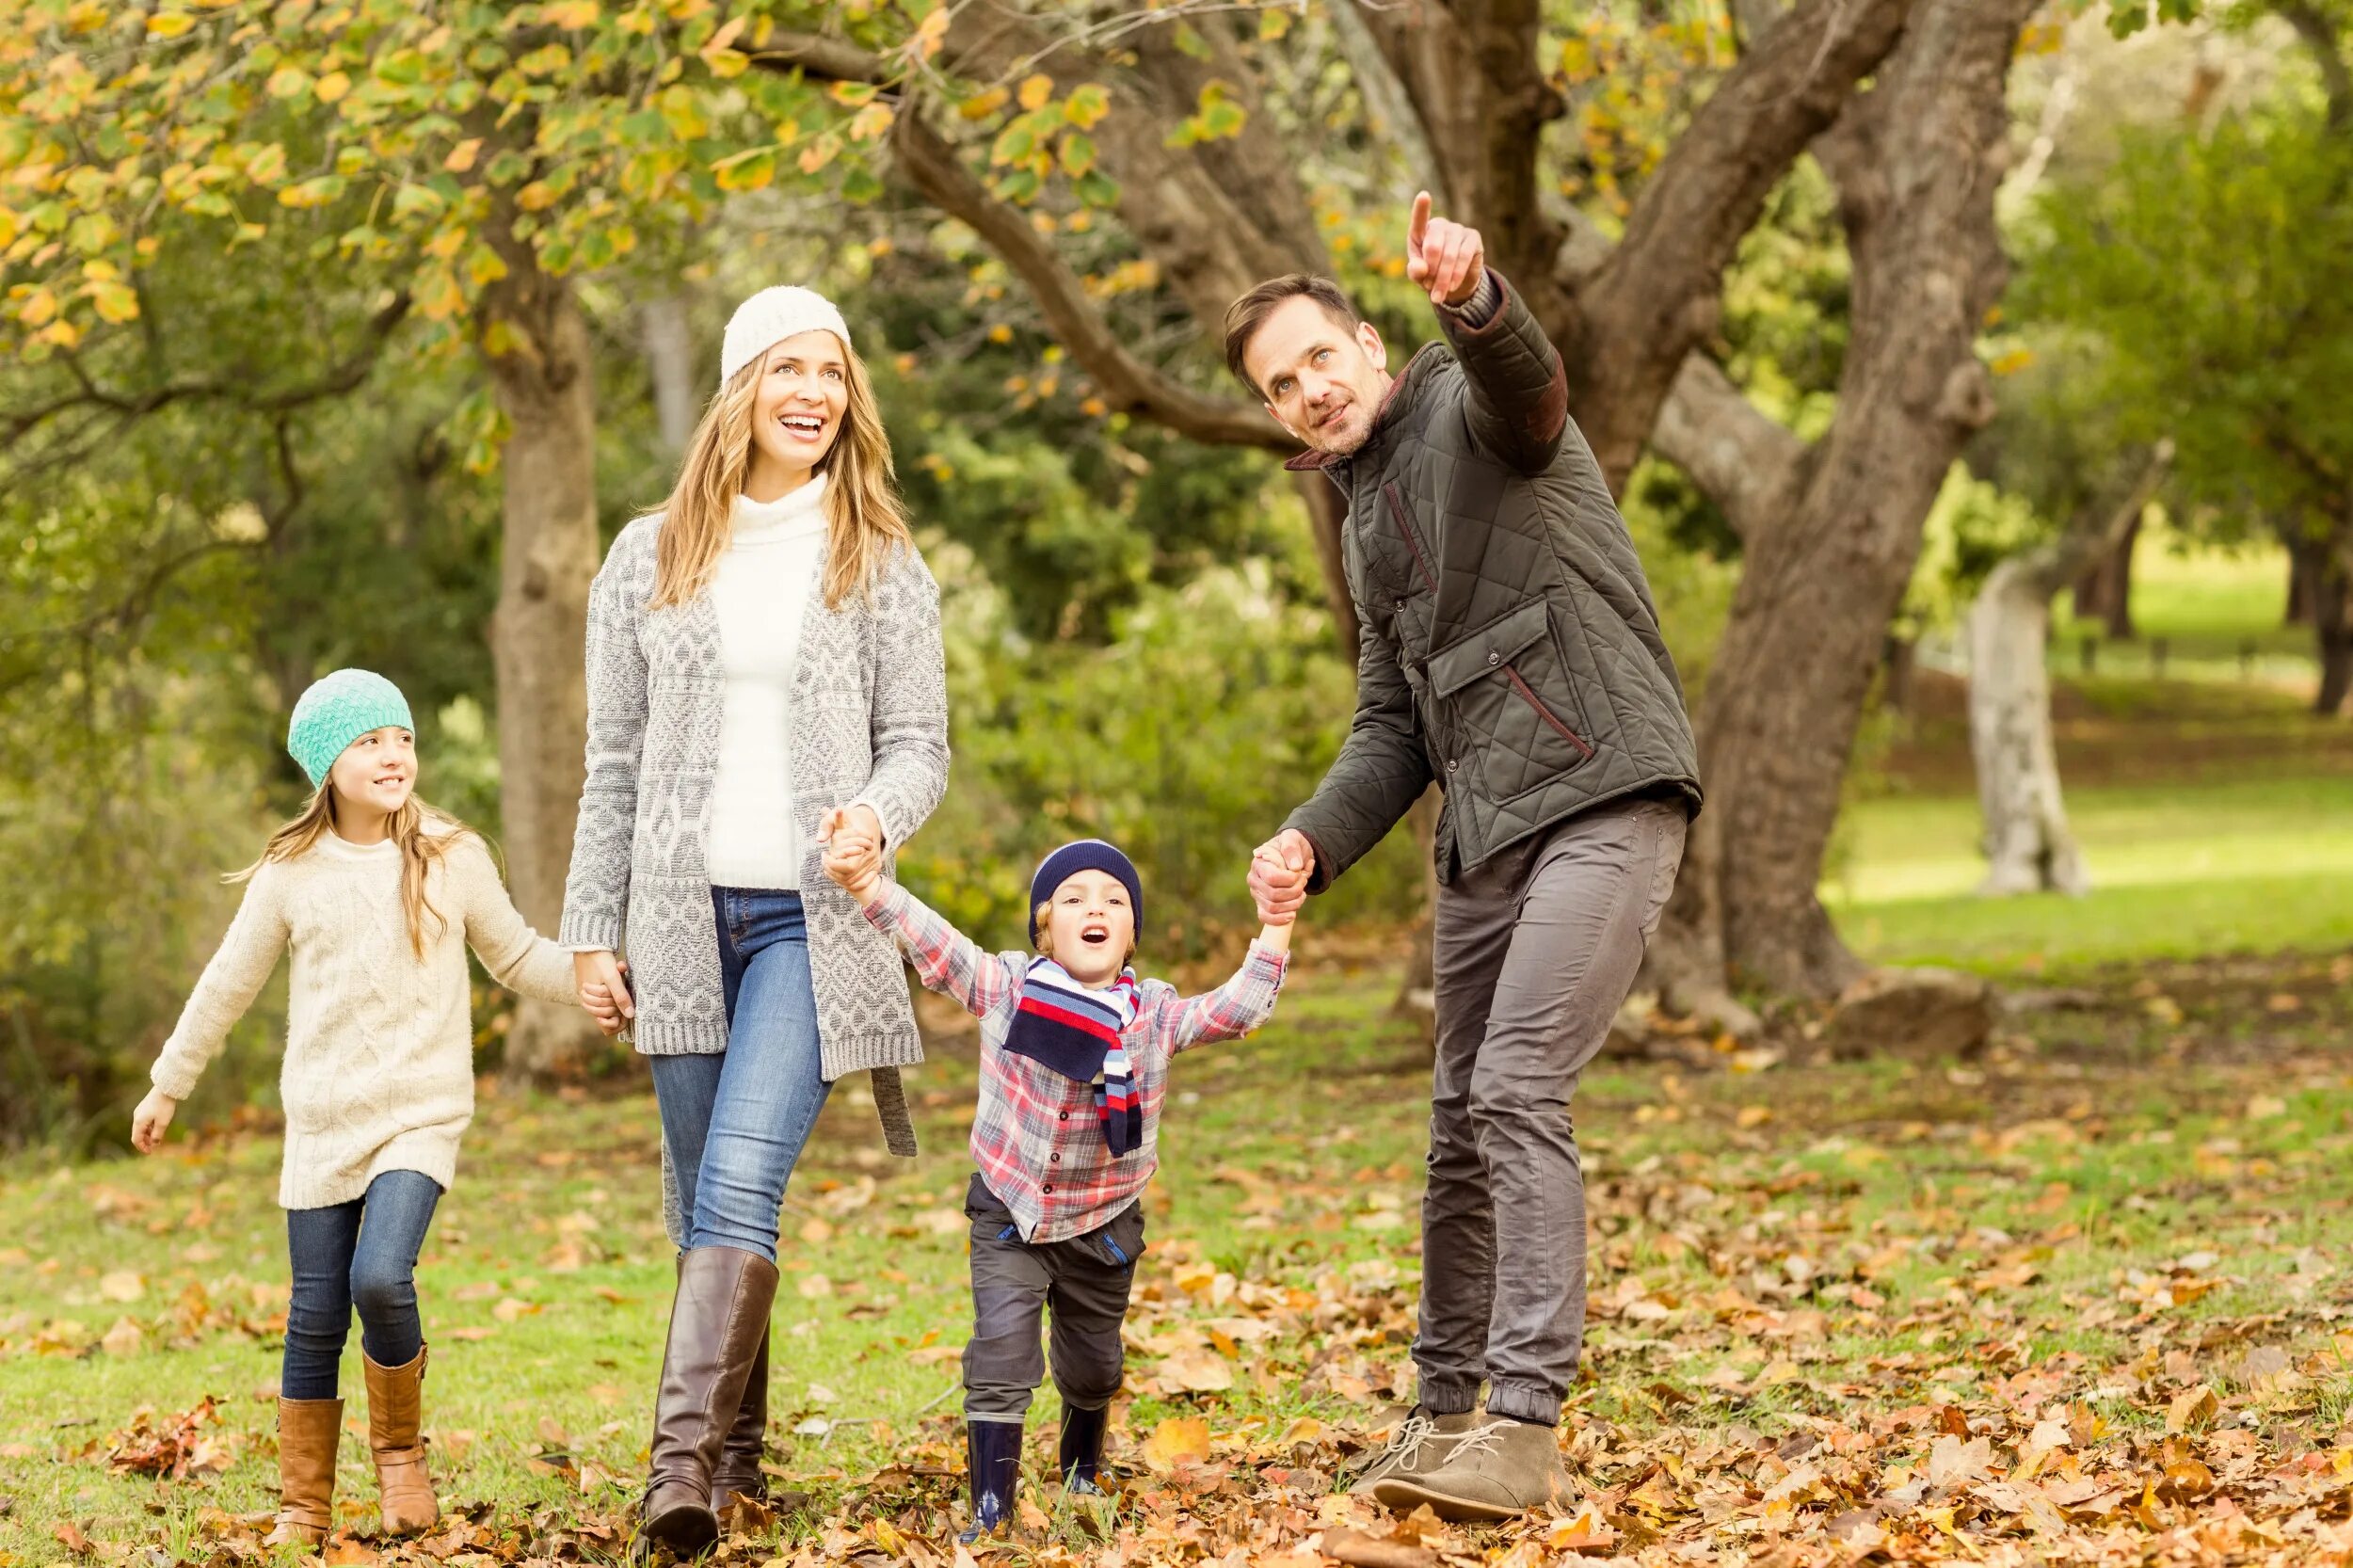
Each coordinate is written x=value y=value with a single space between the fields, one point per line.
x=1084 y=1283
x=1535 y=951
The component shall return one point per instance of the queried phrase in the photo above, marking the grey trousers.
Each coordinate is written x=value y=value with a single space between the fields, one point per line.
x=1085 y=1280
x=1535 y=951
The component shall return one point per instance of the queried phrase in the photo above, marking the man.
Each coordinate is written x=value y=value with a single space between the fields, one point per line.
x=1511 y=654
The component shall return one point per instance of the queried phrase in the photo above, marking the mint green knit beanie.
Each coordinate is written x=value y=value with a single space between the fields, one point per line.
x=338 y=710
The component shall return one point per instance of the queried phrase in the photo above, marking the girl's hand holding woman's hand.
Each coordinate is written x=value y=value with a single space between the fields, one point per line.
x=602 y=977
x=152 y=1120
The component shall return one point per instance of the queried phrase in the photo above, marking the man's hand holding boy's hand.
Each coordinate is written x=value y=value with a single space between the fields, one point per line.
x=853 y=851
x=1278 y=875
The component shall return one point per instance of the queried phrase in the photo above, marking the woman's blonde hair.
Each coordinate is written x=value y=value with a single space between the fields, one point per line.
x=864 y=517
x=422 y=834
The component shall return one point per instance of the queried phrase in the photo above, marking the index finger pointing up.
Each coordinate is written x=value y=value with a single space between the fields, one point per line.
x=1419 y=224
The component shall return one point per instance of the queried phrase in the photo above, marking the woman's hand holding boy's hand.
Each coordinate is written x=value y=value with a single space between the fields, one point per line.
x=152 y=1120
x=853 y=840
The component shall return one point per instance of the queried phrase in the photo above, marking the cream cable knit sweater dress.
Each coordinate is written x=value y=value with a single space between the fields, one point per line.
x=380 y=1046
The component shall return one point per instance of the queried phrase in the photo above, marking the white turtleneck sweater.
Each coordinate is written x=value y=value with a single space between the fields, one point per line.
x=760 y=591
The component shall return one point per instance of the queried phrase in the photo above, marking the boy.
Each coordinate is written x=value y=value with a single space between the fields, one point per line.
x=1074 y=1067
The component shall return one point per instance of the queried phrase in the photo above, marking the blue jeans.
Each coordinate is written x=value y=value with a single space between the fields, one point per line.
x=736 y=1122
x=362 y=1255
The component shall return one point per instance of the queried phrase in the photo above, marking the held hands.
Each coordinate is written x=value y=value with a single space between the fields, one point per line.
x=152 y=1120
x=1278 y=875
x=1442 y=256
x=852 y=837
x=603 y=982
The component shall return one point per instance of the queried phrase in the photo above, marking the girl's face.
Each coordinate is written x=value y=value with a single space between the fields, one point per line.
x=1090 y=927
x=378 y=770
x=798 y=403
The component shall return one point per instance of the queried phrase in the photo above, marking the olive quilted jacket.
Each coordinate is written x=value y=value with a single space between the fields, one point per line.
x=1510 y=651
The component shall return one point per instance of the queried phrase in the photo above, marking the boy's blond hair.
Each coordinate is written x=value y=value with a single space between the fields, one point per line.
x=1046 y=934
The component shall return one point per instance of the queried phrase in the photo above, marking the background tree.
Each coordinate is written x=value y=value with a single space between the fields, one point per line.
x=2207 y=261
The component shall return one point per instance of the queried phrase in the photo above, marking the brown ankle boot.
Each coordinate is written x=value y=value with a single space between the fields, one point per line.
x=308 y=1431
x=717 y=1322
x=396 y=1409
x=737 y=1474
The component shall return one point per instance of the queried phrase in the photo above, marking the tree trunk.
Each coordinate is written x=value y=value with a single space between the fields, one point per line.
x=535 y=343
x=2332 y=620
x=670 y=366
x=1917 y=162
x=2300 y=612
x=2104 y=589
x=2028 y=845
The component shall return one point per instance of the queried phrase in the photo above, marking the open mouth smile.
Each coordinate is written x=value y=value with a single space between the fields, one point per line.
x=803 y=424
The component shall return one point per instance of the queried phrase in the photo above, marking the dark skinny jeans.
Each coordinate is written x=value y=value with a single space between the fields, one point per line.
x=363 y=1255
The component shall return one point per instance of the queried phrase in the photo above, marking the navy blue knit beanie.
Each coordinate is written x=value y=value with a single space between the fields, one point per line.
x=1085 y=854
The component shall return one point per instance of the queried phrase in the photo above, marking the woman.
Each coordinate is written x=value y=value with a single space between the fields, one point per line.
x=763 y=663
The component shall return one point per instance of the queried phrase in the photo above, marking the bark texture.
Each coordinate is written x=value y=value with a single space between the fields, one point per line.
x=2028 y=846
x=534 y=341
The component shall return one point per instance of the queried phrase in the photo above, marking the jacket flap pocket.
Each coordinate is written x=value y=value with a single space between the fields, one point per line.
x=1486 y=650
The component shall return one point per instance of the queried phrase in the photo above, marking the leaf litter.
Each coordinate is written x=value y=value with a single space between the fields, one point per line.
x=1778 y=1372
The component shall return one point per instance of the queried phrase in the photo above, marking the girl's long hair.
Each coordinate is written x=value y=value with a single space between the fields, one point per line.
x=422 y=835
x=864 y=517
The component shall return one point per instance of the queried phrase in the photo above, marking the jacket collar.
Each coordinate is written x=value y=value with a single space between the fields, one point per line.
x=1405 y=391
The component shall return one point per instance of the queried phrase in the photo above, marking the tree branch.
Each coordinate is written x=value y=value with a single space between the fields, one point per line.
x=825 y=58
x=1125 y=381
x=1657 y=296
x=338 y=380
x=2319 y=34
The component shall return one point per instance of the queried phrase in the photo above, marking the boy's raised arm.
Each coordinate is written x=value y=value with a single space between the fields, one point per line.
x=1239 y=1006
x=945 y=959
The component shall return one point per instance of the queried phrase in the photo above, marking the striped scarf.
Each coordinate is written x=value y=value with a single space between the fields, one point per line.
x=1062 y=1025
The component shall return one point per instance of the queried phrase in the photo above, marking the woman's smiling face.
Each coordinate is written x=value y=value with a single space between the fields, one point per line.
x=798 y=405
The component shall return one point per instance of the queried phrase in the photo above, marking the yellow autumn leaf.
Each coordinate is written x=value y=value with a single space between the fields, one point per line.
x=168 y=24
x=1035 y=90
x=116 y=303
x=981 y=105
x=1176 y=1440
x=332 y=86
x=39 y=310
x=871 y=121
x=461 y=156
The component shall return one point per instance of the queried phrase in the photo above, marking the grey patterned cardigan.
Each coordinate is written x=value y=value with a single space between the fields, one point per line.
x=869 y=727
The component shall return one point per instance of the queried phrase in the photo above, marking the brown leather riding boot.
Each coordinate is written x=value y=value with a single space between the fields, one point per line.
x=396 y=1410
x=738 y=1473
x=717 y=1323
x=308 y=1433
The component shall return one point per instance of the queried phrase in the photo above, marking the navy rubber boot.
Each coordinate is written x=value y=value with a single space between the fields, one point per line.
x=1082 y=1455
x=992 y=1450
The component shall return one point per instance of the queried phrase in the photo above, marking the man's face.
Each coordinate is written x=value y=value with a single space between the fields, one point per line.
x=1322 y=379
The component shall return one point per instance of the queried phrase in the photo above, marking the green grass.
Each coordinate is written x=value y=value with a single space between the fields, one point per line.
x=1886 y=1228
x=2208 y=605
x=2207 y=867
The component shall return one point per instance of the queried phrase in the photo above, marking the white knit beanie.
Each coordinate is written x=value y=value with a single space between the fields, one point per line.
x=769 y=318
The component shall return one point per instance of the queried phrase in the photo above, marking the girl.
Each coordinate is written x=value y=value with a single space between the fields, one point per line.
x=378 y=895
x=763 y=657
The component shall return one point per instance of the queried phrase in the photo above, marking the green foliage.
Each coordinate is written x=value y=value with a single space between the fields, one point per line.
x=2211 y=266
x=1184 y=740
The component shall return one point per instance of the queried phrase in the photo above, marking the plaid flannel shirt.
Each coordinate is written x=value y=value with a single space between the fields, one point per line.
x=1036 y=1137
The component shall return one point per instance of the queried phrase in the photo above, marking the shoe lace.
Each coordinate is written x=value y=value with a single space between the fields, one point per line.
x=1416 y=1430
x=1480 y=1439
